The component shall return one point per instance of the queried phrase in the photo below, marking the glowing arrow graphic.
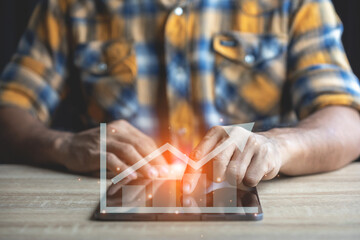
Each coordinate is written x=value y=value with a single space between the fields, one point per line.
x=238 y=134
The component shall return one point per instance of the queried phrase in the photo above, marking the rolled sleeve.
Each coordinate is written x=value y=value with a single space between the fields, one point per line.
x=318 y=68
x=33 y=80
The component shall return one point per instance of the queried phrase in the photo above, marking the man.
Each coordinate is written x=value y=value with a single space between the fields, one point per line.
x=167 y=70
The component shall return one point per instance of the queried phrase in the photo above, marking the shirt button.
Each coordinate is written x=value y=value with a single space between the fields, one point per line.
x=179 y=11
x=249 y=59
x=102 y=67
x=180 y=74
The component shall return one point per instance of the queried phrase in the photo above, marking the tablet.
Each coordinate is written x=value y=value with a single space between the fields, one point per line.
x=164 y=200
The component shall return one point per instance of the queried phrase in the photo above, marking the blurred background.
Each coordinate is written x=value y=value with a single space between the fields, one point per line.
x=14 y=15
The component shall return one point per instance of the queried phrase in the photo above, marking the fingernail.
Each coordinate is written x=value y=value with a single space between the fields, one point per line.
x=186 y=187
x=112 y=191
x=187 y=202
x=164 y=171
x=133 y=176
x=153 y=173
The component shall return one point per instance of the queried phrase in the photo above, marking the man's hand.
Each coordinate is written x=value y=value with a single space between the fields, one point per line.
x=261 y=159
x=28 y=140
x=125 y=144
x=325 y=141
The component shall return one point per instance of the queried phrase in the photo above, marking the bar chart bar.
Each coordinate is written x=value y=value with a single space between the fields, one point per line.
x=164 y=193
x=134 y=196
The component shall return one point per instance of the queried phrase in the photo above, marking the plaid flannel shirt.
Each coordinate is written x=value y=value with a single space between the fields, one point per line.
x=180 y=66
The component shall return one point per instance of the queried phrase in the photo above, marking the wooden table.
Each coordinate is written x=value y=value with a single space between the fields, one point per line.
x=39 y=203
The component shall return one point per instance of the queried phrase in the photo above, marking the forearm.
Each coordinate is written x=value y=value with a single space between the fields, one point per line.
x=325 y=141
x=26 y=139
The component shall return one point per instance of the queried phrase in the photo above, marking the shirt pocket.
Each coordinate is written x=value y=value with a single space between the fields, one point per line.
x=108 y=72
x=249 y=72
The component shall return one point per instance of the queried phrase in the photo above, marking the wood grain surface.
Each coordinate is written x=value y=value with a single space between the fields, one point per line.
x=40 y=203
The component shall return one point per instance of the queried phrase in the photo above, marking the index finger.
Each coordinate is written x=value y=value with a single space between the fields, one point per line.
x=190 y=179
x=208 y=142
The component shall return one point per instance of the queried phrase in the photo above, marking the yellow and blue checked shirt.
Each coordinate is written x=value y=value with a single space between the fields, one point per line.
x=182 y=66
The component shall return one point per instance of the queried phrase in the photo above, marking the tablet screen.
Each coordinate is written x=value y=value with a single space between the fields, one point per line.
x=165 y=196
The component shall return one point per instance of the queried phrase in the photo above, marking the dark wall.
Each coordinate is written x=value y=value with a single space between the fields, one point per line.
x=349 y=12
x=14 y=15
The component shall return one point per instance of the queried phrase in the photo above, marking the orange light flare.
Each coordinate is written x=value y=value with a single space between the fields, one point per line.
x=176 y=167
x=176 y=170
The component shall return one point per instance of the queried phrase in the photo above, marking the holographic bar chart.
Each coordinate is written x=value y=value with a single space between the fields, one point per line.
x=161 y=195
